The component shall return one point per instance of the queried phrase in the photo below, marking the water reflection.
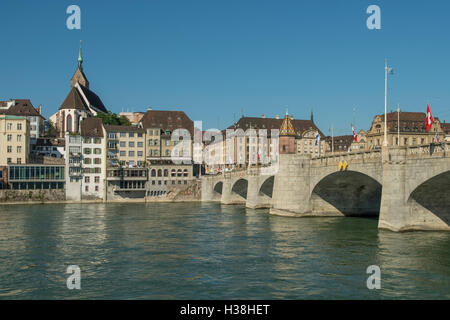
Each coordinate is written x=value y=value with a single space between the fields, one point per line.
x=208 y=251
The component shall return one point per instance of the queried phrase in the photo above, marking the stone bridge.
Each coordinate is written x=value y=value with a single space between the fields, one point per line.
x=408 y=188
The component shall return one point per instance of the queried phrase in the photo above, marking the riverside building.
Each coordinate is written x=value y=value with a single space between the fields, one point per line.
x=14 y=139
x=86 y=162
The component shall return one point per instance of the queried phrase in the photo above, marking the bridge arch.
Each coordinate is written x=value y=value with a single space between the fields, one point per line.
x=240 y=187
x=432 y=196
x=266 y=187
x=218 y=187
x=348 y=193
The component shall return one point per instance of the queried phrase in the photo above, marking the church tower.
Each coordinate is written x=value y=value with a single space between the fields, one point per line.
x=287 y=136
x=79 y=76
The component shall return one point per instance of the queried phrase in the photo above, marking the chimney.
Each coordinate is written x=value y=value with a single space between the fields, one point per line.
x=263 y=116
x=39 y=109
x=277 y=117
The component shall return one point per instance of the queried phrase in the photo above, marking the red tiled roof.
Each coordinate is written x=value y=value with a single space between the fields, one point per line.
x=23 y=107
x=92 y=127
x=167 y=120
x=300 y=125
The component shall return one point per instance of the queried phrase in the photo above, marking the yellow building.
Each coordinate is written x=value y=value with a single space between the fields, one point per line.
x=14 y=140
x=125 y=145
x=403 y=129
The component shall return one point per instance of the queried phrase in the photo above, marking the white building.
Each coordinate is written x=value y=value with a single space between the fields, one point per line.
x=86 y=162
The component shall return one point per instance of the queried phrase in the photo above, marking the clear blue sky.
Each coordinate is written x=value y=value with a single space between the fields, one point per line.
x=213 y=59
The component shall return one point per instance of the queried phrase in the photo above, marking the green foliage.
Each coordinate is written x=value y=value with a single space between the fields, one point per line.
x=113 y=119
x=50 y=129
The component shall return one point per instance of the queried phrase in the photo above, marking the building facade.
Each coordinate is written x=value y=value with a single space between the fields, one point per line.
x=86 y=162
x=14 y=140
x=403 y=129
x=125 y=146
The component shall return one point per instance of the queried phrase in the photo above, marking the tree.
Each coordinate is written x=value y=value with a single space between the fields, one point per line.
x=112 y=119
x=50 y=129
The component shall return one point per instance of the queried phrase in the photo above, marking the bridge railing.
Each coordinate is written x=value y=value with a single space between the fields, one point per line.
x=350 y=157
x=434 y=150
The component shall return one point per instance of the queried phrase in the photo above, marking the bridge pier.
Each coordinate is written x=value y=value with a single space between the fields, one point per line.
x=207 y=189
x=255 y=199
x=291 y=186
x=399 y=211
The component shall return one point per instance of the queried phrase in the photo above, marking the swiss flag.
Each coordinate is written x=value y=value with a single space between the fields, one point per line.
x=429 y=120
x=354 y=133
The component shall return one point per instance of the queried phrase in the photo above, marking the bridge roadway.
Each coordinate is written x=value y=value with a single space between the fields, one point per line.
x=408 y=188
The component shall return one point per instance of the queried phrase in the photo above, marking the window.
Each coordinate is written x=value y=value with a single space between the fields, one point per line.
x=19 y=126
x=9 y=149
x=86 y=188
x=97 y=160
x=9 y=126
x=19 y=138
x=131 y=153
x=123 y=144
x=123 y=153
x=123 y=134
x=131 y=134
x=139 y=135
x=97 y=180
x=9 y=160
x=9 y=137
x=131 y=144
x=19 y=160
x=86 y=180
x=140 y=153
x=19 y=149
x=140 y=144
x=150 y=142
x=96 y=188
x=159 y=173
x=167 y=152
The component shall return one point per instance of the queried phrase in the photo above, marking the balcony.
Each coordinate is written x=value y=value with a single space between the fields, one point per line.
x=75 y=173
x=75 y=154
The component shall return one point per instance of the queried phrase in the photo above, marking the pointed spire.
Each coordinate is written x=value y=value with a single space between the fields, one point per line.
x=312 y=115
x=80 y=58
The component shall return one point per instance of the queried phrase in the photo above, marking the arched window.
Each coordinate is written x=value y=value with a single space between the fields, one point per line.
x=173 y=173
x=166 y=173
x=179 y=173
x=69 y=123
x=159 y=173
x=185 y=172
x=153 y=173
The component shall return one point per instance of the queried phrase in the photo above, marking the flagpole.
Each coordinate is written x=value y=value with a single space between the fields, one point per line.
x=385 y=143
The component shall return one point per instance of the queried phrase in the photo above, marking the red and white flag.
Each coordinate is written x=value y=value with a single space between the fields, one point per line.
x=354 y=133
x=429 y=120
